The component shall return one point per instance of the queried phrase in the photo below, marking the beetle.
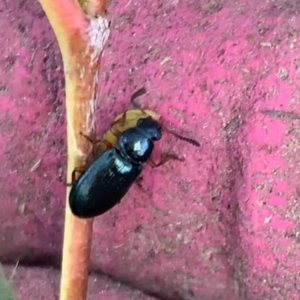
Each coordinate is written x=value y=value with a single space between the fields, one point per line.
x=110 y=176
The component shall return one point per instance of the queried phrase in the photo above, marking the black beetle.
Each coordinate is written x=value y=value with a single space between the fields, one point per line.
x=110 y=176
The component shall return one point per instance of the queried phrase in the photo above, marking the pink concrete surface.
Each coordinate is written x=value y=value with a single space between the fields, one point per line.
x=43 y=284
x=224 y=224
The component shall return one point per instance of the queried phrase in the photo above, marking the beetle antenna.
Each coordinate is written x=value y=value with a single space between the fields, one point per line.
x=183 y=138
x=137 y=94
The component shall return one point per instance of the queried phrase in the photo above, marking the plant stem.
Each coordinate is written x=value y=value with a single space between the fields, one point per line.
x=81 y=31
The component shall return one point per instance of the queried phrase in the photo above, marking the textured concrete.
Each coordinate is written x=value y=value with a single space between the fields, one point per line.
x=224 y=224
x=43 y=284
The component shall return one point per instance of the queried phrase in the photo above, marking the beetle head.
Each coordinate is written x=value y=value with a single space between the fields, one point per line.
x=151 y=128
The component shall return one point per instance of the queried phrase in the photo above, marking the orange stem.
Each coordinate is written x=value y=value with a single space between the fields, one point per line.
x=81 y=31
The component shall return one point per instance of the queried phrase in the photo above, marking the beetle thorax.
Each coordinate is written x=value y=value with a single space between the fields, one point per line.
x=135 y=146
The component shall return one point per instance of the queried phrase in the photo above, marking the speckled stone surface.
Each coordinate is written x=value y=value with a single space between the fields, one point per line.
x=43 y=284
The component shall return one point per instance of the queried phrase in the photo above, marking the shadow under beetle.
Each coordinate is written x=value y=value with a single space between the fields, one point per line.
x=109 y=177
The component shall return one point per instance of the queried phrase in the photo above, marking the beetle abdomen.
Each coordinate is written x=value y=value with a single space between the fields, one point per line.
x=103 y=185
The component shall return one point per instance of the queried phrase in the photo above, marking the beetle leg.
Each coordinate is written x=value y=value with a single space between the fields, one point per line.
x=91 y=140
x=79 y=170
x=165 y=158
x=106 y=144
x=113 y=128
x=87 y=137
x=100 y=147
x=135 y=95
x=115 y=132
x=120 y=121
x=95 y=143
x=137 y=106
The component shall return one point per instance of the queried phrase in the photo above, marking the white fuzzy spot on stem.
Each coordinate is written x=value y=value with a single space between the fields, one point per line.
x=98 y=33
x=92 y=104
